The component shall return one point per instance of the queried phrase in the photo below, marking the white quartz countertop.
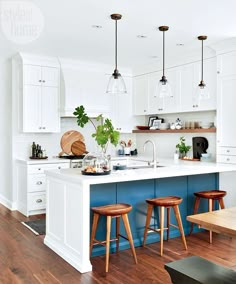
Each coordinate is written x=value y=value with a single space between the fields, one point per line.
x=54 y=160
x=170 y=168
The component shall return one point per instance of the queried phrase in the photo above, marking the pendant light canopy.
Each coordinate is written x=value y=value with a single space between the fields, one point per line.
x=163 y=88
x=116 y=84
x=202 y=92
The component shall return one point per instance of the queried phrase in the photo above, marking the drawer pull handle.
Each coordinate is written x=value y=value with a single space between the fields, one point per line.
x=39 y=169
x=59 y=168
x=39 y=200
x=228 y=151
x=228 y=159
x=39 y=182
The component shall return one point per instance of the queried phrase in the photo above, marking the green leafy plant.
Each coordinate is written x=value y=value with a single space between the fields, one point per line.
x=183 y=148
x=104 y=132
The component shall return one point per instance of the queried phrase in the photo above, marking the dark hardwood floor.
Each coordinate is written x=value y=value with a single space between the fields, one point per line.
x=25 y=259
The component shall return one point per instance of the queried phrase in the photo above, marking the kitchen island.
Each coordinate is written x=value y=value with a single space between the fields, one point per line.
x=70 y=196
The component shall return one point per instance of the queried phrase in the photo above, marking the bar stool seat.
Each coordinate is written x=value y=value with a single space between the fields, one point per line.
x=112 y=211
x=167 y=202
x=211 y=195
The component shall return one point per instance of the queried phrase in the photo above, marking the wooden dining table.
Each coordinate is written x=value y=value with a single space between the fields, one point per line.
x=220 y=221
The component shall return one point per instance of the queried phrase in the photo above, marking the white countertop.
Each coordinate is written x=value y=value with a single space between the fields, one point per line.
x=170 y=168
x=53 y=160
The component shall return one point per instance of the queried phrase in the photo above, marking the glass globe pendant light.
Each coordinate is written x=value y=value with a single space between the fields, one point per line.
x=202 y=92
x=163 y=89
x=116 y=84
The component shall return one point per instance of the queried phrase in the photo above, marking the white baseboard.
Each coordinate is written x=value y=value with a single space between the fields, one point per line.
x=7 y=203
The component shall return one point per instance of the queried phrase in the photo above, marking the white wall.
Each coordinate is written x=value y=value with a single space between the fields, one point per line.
x=5 y=128
x=166 y=142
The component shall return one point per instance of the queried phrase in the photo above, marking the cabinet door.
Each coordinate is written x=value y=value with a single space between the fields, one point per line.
x=209 y=77
x=32 y=74
x=50 y=76
x=32 y=108
x=226 y=110
x=167 y=104
x=187 y=87
x=121 y=109
x=140 y=95
x=50 y=120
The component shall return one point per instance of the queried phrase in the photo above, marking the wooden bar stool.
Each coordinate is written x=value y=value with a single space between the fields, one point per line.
x=211 y=195
x=164 y=202
x=112 y=211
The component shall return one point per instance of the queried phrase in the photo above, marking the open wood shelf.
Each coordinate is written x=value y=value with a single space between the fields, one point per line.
x=196 y=130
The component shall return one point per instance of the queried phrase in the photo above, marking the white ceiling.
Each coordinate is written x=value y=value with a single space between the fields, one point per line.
x=68 y=31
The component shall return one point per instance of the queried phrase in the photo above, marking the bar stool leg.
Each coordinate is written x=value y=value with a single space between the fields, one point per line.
x=222 y=204
x=108 y=241
x=94 y=229
x=210 y=207
x=195 y=210
x=168 y=223
x=117 y=233
x=129 y=235
x=162 y=216
x=148 y=220
x=179 y=221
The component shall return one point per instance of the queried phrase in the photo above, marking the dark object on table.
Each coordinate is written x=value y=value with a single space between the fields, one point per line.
x=194 y=269
x=200 y=145
x=142 y=127
x=134 y=152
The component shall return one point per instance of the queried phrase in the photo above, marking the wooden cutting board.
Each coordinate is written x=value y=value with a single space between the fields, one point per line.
x=67 y=139
x=78 y=148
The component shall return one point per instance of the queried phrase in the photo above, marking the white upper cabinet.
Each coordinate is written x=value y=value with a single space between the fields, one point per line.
x=190 y=78
x=84 y=85
x=226 y=100
x=36 y=92
x=183 y=81
x=166 y=104
x=40 y=100
x=121 y=110
x=41 y=75
x=140 y=95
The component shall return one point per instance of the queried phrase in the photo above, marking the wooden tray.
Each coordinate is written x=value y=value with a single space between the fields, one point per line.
x=37 y=158
x=95 y=174
x=190 y=159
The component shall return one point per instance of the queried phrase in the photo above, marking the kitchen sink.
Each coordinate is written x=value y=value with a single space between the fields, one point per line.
x=136 y=167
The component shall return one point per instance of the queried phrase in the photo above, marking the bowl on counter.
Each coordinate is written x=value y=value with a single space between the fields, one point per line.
x=206 y=125
x=140 y=127
x=164 y=126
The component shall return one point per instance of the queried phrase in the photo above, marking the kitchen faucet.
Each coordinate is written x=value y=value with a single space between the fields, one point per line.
x=154 y=161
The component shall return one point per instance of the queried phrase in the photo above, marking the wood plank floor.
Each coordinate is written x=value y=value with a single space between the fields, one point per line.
x=25 y=259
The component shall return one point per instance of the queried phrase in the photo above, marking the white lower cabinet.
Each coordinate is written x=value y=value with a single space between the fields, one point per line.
x=31 y=186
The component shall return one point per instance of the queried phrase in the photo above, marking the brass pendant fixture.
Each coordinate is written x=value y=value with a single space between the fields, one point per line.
x=163 y=88
x=202 y=92
x=116 y=84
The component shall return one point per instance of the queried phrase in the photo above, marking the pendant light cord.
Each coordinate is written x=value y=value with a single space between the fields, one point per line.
x=116 y=45
x=202 y=60
x=163 y=53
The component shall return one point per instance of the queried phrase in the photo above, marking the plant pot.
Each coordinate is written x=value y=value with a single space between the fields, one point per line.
x=182 y=155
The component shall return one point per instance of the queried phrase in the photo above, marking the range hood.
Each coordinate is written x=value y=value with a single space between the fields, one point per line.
x=83 y=84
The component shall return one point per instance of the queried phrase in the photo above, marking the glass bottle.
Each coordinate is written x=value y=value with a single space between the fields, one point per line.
x=33 y=150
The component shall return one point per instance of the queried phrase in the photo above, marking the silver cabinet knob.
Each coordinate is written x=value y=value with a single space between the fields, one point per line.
x=39 y=182
x=39 y=200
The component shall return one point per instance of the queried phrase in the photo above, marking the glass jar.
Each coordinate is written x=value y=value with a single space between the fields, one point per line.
x=96 y=163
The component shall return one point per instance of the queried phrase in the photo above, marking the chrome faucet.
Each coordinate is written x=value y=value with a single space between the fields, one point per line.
x=154 y=161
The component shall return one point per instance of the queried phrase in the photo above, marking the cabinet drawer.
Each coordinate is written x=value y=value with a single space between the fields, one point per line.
x=36 y=201
x=38 y=169
x=37 y=183
x=226 y=159
x=227 y=151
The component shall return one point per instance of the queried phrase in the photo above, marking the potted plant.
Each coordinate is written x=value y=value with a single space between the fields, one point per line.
x=104 y=132
x=182 y=147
